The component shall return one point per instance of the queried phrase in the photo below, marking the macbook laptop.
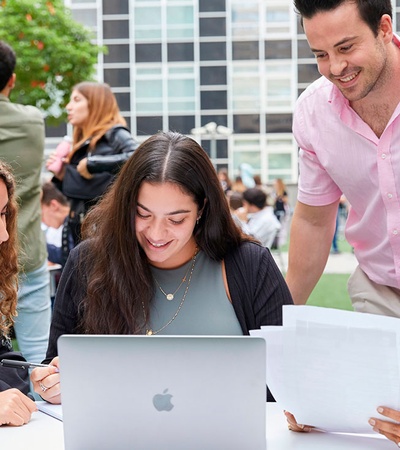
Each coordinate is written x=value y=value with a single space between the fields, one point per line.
x=163 y=392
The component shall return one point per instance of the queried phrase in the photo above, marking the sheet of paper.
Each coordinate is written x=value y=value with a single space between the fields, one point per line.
x=329 y=373
x=50 y=409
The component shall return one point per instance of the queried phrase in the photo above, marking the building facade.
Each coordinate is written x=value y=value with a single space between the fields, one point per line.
x=182 y=64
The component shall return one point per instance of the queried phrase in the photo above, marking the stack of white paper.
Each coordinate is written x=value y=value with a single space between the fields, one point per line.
x=333 y=368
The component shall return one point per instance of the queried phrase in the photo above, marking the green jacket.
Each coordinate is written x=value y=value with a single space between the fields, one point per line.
x=22 y=146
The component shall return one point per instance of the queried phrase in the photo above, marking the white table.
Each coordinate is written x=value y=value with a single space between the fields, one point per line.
x=46 y=433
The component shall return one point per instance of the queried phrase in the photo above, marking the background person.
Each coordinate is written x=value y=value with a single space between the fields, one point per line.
x=258 y=218
x=22 y=146
x=163 y=256
x=356 y=103
x=101 y=145
x=55 y=214
x=15 y=405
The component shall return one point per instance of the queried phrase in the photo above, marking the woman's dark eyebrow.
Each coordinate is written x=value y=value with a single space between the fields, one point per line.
x=179 y=211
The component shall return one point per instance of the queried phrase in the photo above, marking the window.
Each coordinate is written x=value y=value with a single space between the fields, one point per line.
x=147 y=23
x=245 y=19
x=278 y=86
x=212 y=75
x=277 y=17
x=180 y=22
x=117 y=77
x=245 y=50
x=246 y=94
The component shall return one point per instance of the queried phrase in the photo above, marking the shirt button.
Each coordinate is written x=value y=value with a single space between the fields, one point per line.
x=390 y=196
x=383 y=156
x=395 y=232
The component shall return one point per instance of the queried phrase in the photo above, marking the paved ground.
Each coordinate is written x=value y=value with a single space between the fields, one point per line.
x=341 y=263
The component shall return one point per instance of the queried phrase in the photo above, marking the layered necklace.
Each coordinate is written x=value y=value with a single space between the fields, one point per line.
x=170 y=296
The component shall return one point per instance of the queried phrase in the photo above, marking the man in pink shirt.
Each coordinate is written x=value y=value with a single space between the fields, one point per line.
x=347 y=125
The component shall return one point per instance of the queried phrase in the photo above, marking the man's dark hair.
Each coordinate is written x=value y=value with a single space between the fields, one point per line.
x=371 y=11
x=7 y=63
x=255 y=197
x=51 y=192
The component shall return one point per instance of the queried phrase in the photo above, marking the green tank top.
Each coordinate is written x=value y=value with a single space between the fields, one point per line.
x=206 y=309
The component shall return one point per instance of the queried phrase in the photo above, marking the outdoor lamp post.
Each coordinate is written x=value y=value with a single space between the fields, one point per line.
x=212 y=129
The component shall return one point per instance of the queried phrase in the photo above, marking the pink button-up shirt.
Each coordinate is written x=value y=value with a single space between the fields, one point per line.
x=339 y=153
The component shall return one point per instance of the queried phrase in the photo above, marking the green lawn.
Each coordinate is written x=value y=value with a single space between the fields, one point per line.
x=331 y=290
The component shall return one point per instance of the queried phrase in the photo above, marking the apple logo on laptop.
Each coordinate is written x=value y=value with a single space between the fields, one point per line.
x=162 y=402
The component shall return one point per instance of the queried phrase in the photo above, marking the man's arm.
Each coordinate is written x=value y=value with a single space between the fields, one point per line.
x=311 y=236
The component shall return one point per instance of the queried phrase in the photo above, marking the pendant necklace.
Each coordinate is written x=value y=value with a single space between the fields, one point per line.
x=151 y=332
x=171 y=295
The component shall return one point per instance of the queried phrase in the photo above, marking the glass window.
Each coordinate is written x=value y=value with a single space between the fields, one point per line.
x=87 y=17
x=245 y=19
x=181 y=95
x=249 y=157
x=307 y=73
x=117 y=53
x=219 y=119
x=278 y=49
x=214 y=100
x=212 y=75
x=146 y=126
x=147 y=23
x=115 y=29
x=245 y=50
x=278 y=86
x=182 y=124
x=211 y=5
x=182 y=51
x=212 y=27
x=220 y=145
x=123 y=100
x=148 y=53
x=246 y=87
x=180 y=21
x=115 y=7
x=277 y=18
x=117 y=77
x=279 y=161
x=212 y=51
x=278 y=123
x=303 y=50
x=246 y=123
x=149 y=96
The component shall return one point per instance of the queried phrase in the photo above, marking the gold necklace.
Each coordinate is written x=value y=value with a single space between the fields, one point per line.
x=171 y=295
x=151 y=332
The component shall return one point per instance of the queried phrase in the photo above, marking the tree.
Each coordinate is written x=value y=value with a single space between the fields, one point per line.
x=54 y=52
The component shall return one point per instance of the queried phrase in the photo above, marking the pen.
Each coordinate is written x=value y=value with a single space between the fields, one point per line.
x=20 y=364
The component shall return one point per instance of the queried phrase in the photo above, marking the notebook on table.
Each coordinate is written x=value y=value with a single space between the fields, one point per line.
x=163 y=392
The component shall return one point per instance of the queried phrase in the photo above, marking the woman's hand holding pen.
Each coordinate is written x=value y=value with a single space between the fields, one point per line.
x=46 y=382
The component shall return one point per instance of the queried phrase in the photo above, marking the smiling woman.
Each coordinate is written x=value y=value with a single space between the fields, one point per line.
x=162 y=255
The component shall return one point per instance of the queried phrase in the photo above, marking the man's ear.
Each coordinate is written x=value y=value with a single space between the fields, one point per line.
x=54 y=205
x=11 y=81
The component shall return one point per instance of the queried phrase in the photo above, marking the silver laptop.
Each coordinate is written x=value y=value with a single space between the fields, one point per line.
x=163 y=392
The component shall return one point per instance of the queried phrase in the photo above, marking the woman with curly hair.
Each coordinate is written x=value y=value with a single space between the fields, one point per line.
x=15 y=405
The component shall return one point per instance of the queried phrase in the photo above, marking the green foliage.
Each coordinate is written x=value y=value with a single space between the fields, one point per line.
x=54 y=52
